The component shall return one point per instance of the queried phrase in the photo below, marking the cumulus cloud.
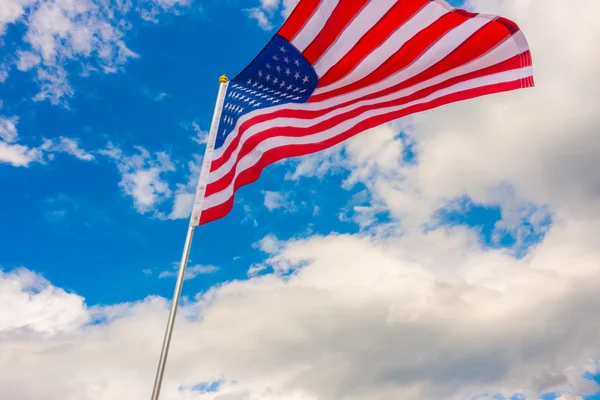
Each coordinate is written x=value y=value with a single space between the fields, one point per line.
x=423 y=315
x=42 y=308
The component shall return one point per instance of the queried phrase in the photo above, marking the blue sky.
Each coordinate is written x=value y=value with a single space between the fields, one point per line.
x=78 y=209
x=116 y=141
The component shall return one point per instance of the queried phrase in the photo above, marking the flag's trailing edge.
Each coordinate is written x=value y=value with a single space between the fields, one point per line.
x=339 y=67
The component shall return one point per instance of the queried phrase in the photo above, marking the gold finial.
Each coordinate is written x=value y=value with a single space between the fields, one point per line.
x=223 y=79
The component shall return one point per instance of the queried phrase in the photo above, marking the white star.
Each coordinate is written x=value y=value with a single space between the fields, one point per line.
x=296 y=89
x=287 y=60
x=271 y=98
x=268 y=78
x=275 y=58
x=276 y=101
x=255 y=84
x=305 y=79
x=297 y=98
x=297 y=75
x=282 y=84
x=249 y=81
x=257 y=104
x=261 y=86
x=297 y=63
x=252 y=102
x=303 y=91
x=290 y=87
x=282 y=49
x=241 y=109
x=278 y=68
x=275 y=80
x=288 y=72
x=260 y=74
x=268 y=65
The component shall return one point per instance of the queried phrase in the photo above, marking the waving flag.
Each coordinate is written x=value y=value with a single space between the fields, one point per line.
x=339 y=67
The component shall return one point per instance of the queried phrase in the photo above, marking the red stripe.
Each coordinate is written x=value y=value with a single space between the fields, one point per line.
x=298 y=18
x=403 y=57
x=510 y=25
x=343 y=14
x=271 y=156
x=465 y=13
x=401 y=12
x=254 y=141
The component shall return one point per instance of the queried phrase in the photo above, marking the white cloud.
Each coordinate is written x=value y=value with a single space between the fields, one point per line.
x=185 y=193
x=277 y=200
x=142 y=176
x=267 y=14
x=151 y=9
x=10 y=152
x=42 y=308
x=148 y=179
x=366 y=317
x=8 y=129
x=201 y=135
x=78 y=36
x=66 y=145
x=19 y=155
x=27 y=60
x=191 y=272
x=262 y=18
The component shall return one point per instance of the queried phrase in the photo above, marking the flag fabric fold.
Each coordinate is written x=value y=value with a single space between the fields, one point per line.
x=339 y=67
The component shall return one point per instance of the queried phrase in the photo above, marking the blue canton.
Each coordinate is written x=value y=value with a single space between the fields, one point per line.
x=278 y=75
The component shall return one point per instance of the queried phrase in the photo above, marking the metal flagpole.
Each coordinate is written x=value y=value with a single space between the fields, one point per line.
x=190 y=234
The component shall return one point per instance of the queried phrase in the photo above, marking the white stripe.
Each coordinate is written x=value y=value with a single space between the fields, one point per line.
x=314 y=25
x=504 y=51
x=309 y=122
x=428 y=15
x=362 y=23
x=280 y=141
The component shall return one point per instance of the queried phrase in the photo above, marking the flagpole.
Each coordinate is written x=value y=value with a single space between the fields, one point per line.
x=210 y=145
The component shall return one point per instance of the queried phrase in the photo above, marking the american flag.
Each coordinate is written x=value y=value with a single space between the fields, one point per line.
x=339 y=67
